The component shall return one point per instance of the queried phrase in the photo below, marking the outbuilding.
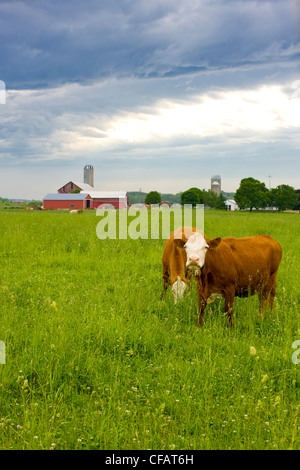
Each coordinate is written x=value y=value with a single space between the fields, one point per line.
x=67 y=201
x=118 y=199
x=231 y=205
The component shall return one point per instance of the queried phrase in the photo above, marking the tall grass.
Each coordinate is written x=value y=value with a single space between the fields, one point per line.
x=95 y=360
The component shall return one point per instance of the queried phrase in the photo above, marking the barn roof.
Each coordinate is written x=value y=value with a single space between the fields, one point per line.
x=84 y=186
x=66 y=197
x=105 y=194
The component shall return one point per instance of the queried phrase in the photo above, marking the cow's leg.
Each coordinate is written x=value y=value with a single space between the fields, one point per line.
x=229 y=298
x=272 y=295
x=273 y=290
x=166 y=280
x=178 y=288
x=263 y=297
x=267 y=294
x=201 y=306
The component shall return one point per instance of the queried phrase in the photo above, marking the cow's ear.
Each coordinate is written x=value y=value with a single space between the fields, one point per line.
x=179 y=243
x=214 y=242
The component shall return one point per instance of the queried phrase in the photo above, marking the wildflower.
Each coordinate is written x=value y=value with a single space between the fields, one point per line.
x=25 y=384
x=264 y=378
x=252 y=351
x=53 y=305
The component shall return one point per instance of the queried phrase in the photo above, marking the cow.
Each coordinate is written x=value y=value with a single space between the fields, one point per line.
x=230 y=267
x=76 y=211
x=174 y=261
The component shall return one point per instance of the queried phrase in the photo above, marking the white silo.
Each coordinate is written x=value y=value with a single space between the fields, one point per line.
x=216 y=184
x=88 y=175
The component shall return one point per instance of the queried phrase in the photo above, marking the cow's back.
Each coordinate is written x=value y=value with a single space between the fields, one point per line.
x=244 y=261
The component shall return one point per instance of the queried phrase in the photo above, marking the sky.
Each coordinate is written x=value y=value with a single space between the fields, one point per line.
x=156 y=95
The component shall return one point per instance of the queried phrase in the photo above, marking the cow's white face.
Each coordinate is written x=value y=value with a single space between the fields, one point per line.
x=196 y=248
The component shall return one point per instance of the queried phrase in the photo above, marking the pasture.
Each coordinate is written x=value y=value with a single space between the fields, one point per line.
x=95 y=360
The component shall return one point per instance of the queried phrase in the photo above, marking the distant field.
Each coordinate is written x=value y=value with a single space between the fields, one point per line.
x=95 y=360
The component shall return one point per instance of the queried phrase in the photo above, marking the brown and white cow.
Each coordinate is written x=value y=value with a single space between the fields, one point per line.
x=175 y=261
x=231 y=267
x=236 y=267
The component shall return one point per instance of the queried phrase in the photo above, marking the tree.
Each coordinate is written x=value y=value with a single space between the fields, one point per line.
x=252 y=194
x=192 y=196
x=220 y=204
x=284 y=197
x=153 y=198
x=210 y=198
x=297 y=205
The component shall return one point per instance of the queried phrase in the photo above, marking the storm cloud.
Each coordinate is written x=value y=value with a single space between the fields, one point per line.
x=158 y=94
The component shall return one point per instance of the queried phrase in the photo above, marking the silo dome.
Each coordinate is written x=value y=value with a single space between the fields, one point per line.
x=216 y=184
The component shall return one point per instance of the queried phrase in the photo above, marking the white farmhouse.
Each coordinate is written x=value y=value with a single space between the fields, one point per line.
x=231 y=205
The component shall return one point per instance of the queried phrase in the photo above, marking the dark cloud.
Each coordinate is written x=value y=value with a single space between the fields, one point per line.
x=44 y=43
x=80 y=74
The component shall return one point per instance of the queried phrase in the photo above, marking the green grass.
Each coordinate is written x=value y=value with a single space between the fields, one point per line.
x=95 y=360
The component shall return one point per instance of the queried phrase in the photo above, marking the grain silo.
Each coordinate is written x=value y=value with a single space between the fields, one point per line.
x=88 y=175
x=216 y=184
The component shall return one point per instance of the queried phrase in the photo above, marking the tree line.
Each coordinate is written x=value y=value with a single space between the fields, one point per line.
x=192 y=196
x=251 y=194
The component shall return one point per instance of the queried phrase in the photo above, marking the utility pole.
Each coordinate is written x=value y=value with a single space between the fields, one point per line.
x=269 y=181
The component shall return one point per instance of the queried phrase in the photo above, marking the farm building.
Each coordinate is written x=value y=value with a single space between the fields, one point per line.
x=231 y=205
x=76 y=195
x=72 y=186
x=216 y=184
x=118 y=199
x=67 y=201
x=86 y=200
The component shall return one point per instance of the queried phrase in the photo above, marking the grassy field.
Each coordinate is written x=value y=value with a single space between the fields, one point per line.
x=95 y=360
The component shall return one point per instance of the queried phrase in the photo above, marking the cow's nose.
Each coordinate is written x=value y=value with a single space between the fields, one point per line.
x=194 y=259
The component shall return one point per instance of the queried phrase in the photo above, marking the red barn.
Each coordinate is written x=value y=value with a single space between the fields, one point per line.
x=72 y=186
x=67 y=201
x=118 y=199
x=84 y=197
